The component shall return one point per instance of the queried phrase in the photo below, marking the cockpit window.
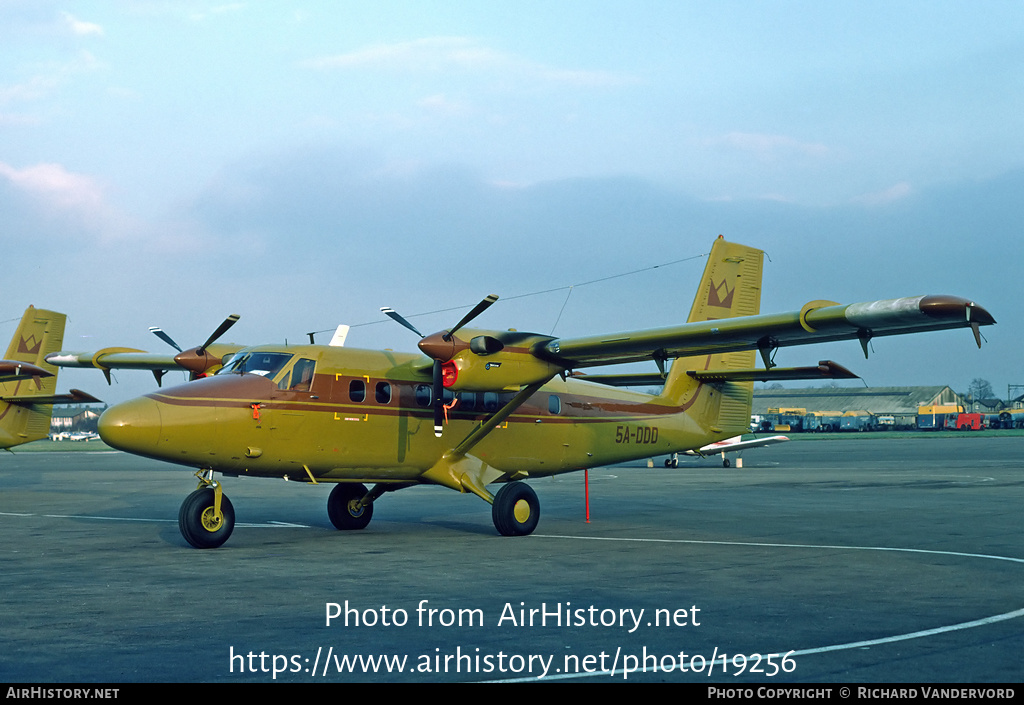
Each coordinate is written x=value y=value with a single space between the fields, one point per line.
x=264 y=364
x=301 y=376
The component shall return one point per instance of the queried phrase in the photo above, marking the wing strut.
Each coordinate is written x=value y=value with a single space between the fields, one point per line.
x=499 y=416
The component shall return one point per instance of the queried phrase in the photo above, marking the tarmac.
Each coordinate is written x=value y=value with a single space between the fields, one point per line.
x=853 y=560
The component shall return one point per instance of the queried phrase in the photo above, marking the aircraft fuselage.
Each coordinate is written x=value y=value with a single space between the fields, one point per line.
x=365 y=416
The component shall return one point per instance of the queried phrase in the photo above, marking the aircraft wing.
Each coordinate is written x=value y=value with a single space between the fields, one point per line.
x=203 y=359
x=826 y=369
x=816 y=322
x=133 y=359
x=114 y=359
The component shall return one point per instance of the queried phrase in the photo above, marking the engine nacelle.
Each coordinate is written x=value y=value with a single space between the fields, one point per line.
x=471 y=372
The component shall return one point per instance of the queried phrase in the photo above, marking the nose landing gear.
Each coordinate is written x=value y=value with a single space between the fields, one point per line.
x=206 y=517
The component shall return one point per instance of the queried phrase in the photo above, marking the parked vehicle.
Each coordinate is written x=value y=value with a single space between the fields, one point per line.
x=938 y=417
x=969 y=422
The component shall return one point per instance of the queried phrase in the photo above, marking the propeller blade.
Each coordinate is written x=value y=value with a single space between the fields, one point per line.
x=438 y=399
x=394 y=316
x=159 y=333
x=221 y=330
x=477 y=310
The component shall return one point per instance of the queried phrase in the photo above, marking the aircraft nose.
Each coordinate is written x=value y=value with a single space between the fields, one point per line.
x=132 y=426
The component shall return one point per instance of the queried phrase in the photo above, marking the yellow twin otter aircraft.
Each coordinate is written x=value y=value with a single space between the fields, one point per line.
x=483 y=406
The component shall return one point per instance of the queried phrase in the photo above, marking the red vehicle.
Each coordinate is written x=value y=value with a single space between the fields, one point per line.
x=968 y=422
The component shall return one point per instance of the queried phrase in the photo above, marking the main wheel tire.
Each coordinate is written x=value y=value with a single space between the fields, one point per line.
x=340 y=507
x=198 y=523
x=516 y=510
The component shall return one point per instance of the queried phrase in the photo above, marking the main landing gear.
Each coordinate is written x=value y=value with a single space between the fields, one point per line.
x=346 y=509
x=516 y=509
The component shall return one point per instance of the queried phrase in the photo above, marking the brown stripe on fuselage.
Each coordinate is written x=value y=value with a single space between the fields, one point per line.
x=242 y=391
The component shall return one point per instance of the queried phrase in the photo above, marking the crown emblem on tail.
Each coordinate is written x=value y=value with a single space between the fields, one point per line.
x=716 y=297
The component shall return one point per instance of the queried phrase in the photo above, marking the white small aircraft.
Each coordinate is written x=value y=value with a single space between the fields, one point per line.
x=729 y=445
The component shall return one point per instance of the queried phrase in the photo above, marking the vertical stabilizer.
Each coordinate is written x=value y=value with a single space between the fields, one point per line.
x=40 y=333
x=729 y=288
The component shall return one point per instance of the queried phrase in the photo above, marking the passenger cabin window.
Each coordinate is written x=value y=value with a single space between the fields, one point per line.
x=423 y=395
x=382 y=393
x=490 y=401
x=554 y=405
x=357 y=390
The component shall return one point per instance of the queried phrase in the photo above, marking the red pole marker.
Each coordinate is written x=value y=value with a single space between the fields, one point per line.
x=586 y=491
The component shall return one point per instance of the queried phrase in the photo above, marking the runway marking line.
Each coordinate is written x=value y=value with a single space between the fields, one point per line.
x=822 y=649
x=268 y=525
x=786 y=545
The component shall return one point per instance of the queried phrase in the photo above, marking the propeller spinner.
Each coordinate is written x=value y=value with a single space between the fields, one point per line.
x=196 y=360
x=440 y=347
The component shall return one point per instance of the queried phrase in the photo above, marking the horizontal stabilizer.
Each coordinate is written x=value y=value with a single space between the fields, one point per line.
x=76 y=396
x=639 y=379
x=826 y=369
x=13 y=370
x=733 y=445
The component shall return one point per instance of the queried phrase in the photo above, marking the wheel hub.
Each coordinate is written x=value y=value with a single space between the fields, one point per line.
x=521 y=511
x=210 y=521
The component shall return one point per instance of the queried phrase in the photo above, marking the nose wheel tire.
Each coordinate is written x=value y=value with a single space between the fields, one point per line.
x=516 y=509
x=344 y=509
x=199 y=523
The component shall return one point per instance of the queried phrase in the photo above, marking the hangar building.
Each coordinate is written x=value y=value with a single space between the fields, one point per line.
x=899 y=402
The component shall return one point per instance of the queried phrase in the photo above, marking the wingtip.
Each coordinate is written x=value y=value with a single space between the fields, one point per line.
x=945 y=306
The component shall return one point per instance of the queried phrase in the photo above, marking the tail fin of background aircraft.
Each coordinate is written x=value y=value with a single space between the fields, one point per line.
x=730 y=287
x=40 y=333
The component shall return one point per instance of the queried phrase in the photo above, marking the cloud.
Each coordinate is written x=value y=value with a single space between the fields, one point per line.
x=431 y=54
x=42 y=85
x=339 y=231
x=441 y=104
x=27 y=91
x=17 y=120
x=896 y=192
x=217 y=10
x=47 y=202
x=770 y=147
x=56 y=186
x=80 y=28
x=446 y=54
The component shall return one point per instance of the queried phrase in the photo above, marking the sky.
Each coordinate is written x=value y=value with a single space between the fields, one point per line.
x=302 y=164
